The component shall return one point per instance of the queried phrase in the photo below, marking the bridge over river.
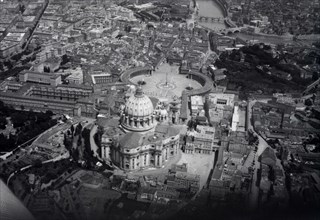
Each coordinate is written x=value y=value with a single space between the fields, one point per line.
x=210 y=19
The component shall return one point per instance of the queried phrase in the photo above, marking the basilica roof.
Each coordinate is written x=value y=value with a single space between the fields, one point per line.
x=131 y=140
x=166 y=130
x=136 y=139
x=139 y=105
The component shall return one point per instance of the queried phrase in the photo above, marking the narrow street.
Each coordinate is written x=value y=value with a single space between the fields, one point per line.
x=253 y=199
x=261 y=147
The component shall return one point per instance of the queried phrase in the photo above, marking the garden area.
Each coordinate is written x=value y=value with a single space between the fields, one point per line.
x=27 y=125
x=77 y=141
x=243 y=74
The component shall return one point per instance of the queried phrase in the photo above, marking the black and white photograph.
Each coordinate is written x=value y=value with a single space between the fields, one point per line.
x=159 y=109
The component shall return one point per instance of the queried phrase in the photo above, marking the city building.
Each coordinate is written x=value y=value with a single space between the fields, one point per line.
x=199 y=143
x=102 y=78
x=43 y=92
x=222 y=99
x=76 y=76
x=183 y=180
x=40 y=77
x=235 y=118
x=197 y=104
x=8 y=48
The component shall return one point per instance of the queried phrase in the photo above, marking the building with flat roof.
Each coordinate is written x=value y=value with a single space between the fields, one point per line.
x=222 y=99
x=201 y=141
x=16 y=37
x=8 y=47
x=52 y=79
x=102 y=78
x=48 y=95
x=183 y=181
x=206 y=130
x=196 y=104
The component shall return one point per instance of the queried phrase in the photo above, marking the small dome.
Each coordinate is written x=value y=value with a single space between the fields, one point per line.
x=163 y=112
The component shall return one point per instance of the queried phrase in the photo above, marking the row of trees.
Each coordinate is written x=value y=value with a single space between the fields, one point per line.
x=77 y=141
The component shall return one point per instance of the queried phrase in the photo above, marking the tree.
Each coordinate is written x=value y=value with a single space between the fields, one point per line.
x=50 y=176
x=308 y=102
x=128 y=28
x=315 y=76
x=72 y=129
x=8 y=64
x=18 y=119
x=22 y=8
x=49 y=113
x=37 y=163
x=317 y=44
x=46 y=69
x=65 y=59
x=78 y=129
x=79 y=143
x=3 y=122
x=17 y=57
x=75 y=154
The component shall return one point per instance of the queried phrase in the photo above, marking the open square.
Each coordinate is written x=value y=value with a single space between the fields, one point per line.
x=165 y=82
x=199 y=164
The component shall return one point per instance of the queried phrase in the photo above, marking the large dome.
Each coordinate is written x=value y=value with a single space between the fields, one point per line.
x=138 y=114
x=139 y=105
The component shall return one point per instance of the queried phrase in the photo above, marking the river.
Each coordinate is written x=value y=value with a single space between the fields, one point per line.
x=209 y=8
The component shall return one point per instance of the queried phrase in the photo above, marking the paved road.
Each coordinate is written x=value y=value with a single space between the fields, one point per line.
x=160 y=171
x=261 y=147
x=93 y=145
x=253 y=199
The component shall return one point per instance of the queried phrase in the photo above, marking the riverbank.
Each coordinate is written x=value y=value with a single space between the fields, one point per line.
x=278 y=39
x=218 y=5
x=223 y=7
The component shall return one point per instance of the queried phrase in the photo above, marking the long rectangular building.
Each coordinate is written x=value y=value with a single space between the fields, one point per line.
x=79 y=107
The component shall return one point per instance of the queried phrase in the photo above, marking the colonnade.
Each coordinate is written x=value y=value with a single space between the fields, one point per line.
x=138 y=123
